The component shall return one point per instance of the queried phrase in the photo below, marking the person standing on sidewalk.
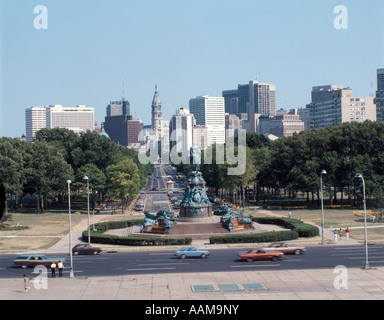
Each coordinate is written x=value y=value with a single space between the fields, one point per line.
x=60 y=266
x=335 y=235
x=26 y=288
x=53 y=269
x=340 y=233
x=347 y=233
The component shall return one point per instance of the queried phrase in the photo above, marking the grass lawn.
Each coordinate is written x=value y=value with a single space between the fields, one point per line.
x=337 y=218
x=42 y=227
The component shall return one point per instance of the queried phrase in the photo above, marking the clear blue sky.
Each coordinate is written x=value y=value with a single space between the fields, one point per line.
x=186 y=47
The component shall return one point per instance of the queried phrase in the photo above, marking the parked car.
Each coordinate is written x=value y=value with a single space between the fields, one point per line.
x=85 y=249
x=139 y=207
x=260 y=254
x=285 y=248
x=191 y=252
x=33 y=260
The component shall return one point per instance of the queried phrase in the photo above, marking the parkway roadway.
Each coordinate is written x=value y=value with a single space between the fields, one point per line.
x=161 y=261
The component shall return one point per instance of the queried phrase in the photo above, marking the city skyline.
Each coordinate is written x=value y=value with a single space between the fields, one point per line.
x=95 y=52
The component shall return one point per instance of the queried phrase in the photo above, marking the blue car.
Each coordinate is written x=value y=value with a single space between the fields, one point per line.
x=191 y=252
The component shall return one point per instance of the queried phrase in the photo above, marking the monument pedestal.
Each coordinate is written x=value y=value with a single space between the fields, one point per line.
x=195 y=206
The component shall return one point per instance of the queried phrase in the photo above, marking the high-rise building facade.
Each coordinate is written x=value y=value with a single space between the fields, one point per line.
x=341 y=106
x=252 y=98
x=181 y=130
x=380 y=79
x=321 y=93
x=379 y=99
x=35 y=119
x=209 y=112
x=120 y=125
x=78 y=119
x=285 y=125
x=123 y=129
x=118 y=108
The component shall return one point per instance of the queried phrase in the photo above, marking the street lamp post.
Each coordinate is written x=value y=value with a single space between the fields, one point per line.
x=322 y=207
x=71 y=275
x=89 y=229
x=366 y=265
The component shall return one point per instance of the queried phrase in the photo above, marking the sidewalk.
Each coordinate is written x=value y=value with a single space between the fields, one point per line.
x=321 y=284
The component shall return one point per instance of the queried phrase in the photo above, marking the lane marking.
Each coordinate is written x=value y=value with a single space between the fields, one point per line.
x=257 y=265
x=144 y=269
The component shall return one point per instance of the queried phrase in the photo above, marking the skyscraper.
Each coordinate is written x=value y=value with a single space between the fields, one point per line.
x=379 y=99
x=209 y=112
x=120 y=125
x=78 y=119
x=118 y=108
x=380 y=79
x=35 y=119
x=181 y=130
x=123 y=129
x=341 y=106
x=251 y=98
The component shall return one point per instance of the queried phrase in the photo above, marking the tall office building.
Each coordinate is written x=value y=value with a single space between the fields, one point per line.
x=209 y=111
x=341 y=106
x=78 y=119
x=118 y=108
x=252 y=98
x=181 y=130
x=320 y=93
x=120 y=125
x=123 y=129
x=380 y=79
x=35 y=119
x=379 y=99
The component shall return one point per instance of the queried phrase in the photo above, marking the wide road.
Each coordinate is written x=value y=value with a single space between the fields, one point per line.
x=155 y=262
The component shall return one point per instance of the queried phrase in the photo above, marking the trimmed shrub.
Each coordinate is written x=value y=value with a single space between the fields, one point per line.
x=272 y=236
x=303 y=229
x=298 y=229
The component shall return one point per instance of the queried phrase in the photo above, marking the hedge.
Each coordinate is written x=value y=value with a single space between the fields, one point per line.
x=272 y=236
x=298 y=229
x=99 y=237
x=303 y=229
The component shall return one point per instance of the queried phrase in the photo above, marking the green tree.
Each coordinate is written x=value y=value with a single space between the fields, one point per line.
x=123 y=181
x=11 y=166
x=96 y=180
x=46 y=172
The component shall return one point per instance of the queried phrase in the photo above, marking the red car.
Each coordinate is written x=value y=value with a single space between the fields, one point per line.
x=260 y=254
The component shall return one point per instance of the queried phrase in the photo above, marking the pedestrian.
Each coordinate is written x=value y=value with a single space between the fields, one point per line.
x=53 y=269
x=340 y=233
x=60 y=266
x=347 y=233
x=335 y=235
x=26 y=288
x=373 y=219
x=289 y=214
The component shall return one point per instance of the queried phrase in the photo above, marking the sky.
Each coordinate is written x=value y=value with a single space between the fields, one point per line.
x=96 y=51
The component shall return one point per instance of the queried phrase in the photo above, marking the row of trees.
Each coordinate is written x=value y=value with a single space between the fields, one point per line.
x=293 y=164
x=42 y=168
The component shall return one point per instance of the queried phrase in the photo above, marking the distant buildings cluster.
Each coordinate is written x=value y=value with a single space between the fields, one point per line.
x=208 y=120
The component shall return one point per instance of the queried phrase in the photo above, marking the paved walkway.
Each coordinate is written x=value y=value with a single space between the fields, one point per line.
x=322 y=284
